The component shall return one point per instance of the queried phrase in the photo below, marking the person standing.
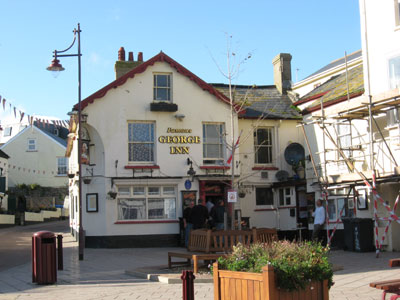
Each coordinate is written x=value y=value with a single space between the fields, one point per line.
x=187 y=221
x=319 y=220
x=199 y=215
x=217 y=214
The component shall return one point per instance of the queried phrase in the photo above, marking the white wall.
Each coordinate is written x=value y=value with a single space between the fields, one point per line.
x=108 y=128
x=34 y=167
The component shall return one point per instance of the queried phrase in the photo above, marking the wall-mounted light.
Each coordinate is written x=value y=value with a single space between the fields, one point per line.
x=191 y=172
x=180 y=117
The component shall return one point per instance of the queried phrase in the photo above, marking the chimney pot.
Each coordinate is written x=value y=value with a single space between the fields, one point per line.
x=121 y=54
x=140 y=56
x=130 y=58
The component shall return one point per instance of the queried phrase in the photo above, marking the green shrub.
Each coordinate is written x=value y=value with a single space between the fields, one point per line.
x=295 y=264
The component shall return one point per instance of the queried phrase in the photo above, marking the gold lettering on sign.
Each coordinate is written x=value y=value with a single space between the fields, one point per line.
x=179 y=150
x=179 y=139
x=173 y=130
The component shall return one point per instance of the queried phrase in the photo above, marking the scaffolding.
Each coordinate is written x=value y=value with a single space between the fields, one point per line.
x=331 y=126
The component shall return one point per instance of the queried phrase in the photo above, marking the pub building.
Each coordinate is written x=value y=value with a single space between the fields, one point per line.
x=153 y=140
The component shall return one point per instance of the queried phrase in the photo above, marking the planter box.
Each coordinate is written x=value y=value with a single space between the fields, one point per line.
x=261 y=286
x=7 y=219
x=47 y=214
x=33 y=217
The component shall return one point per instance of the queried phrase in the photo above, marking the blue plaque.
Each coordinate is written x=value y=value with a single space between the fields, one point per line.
x=188 y=184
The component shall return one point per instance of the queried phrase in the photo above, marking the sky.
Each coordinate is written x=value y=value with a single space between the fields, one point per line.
x=194 y=33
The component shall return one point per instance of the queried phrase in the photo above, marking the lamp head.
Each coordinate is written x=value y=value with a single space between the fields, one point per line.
x=55 y=67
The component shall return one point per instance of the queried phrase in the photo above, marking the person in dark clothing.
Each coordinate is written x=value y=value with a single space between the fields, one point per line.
x=217 y=214
x=187 y=221
x=199 y=215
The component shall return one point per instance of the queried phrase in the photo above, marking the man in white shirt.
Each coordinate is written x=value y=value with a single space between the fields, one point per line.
x=319 y=220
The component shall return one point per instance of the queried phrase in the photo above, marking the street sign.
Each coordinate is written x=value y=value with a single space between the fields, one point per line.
x=232 y=196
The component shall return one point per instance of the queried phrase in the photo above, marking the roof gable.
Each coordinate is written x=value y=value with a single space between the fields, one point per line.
x=49 y=136
x=161 y=57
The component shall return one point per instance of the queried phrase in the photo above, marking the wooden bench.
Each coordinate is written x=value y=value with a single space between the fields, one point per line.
x=389 y=286
x=210 y=245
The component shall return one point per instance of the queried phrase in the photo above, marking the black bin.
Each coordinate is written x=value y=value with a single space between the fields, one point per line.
x=358 y=234
x=44 y=257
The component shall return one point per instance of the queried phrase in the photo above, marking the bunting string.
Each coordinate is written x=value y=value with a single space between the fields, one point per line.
x=31 y=119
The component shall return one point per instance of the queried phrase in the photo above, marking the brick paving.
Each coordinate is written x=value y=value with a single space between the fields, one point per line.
x=101 y=275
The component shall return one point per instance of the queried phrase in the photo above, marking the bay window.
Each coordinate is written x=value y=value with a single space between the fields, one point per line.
x=147 y=203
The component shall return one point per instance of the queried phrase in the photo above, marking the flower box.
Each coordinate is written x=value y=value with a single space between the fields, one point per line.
x=7 y=219
x=234 y=285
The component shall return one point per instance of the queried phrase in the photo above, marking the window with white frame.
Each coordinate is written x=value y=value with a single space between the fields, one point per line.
x=147 y=203
x=31 y=145
x=344 y=139
x=394 y=72
x=62 y=166
x=213 y=143
x=286 y=196
x=162 y=87
x=264 y=196
x=335 y=206
x=7 y=131
x=393 y=117
x=141 y=141
x=263 y=145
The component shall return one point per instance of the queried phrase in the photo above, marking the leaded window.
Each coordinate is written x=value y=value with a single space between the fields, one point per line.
x=141 y=142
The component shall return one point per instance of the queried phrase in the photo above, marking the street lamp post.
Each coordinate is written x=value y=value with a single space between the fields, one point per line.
x=55 y=66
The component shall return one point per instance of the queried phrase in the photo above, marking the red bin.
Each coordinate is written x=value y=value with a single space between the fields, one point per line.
x=44 y=257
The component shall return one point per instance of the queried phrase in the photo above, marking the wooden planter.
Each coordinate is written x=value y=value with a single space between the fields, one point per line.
x=261 y=286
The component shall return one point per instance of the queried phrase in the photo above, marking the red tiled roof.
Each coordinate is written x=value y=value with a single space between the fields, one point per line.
x=161 y=57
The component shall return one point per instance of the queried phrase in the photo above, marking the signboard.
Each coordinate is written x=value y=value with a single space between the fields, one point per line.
x=187 y=197
x=232 y=196
x=188 y=184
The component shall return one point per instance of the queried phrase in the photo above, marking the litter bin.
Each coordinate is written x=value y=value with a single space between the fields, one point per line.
x=44 y=257
x=358 y=234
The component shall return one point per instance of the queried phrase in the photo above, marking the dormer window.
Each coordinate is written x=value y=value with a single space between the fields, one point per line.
x=162 y=87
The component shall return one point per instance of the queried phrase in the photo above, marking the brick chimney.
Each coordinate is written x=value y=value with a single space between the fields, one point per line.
x=282 y=72
x=122 y=67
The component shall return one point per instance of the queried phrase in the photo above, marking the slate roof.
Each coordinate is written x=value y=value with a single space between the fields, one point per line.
x=3 y=154
x=335 y=90
x=261 y=101
x=337 y=62
x=54 y=137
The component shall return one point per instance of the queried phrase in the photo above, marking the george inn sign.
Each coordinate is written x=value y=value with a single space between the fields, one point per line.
x=179 y=139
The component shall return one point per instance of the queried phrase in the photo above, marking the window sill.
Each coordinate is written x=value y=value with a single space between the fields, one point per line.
x=270 y=168
x=31 y=151
x=287 y=206
x=61 y=175
x=140 y=167
x=146 y=222
x=265 y=209
x=215 y=167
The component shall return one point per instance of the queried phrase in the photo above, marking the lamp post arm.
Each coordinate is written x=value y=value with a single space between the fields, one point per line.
x=65 y=50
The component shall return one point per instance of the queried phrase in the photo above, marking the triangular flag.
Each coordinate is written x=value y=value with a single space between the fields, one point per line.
x=22 y=115
x=15 y=112
x=4 y=104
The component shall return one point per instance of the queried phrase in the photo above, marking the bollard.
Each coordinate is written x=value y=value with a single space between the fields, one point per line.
x=60 y=252
x=187 y=285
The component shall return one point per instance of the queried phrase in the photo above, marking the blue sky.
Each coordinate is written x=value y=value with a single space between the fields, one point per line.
x=191 y=32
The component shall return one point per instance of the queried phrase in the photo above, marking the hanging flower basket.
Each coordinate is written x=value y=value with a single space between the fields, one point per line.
x=112 y=195
x=70 y=175
x=87 y=180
